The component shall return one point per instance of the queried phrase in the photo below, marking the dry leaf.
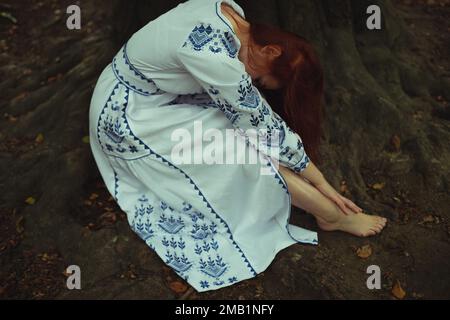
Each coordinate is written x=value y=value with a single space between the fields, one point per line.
x=430 y=219
x=396 y=142
x=178 y=287
x=378 y=186
x=39 y=138
x=30 y=200
x=93 y=196
x=398 y=291
x=364 y=252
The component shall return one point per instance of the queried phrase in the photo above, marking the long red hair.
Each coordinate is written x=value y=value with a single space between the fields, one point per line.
x=299 y=101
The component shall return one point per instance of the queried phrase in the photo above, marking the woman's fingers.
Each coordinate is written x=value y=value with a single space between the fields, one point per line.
x=343 y=207
x=351 y=205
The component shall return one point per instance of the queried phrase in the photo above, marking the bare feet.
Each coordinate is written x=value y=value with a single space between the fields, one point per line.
x=361 y=224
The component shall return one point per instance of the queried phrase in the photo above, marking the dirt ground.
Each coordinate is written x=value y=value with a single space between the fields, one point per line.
x=413 y=252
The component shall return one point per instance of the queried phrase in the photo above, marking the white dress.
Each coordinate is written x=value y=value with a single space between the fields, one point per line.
x=213 y=224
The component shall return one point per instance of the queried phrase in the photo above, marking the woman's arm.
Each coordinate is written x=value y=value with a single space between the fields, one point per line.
x=312 y=174
x=317 y=179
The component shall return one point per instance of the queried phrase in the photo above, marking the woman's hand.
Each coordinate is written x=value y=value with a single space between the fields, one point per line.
x=346 y=205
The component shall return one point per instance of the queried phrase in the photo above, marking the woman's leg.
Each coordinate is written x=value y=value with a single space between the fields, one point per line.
x=328 y=215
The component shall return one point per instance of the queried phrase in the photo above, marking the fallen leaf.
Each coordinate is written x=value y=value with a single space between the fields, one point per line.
x=30 y=200
x=364 y=252
x=87 y=203
x=378 y=186
x=93 y=196
x=39 y=138
x=395 y=142
x=430 y=219
x=178 y=287
x=398 y=291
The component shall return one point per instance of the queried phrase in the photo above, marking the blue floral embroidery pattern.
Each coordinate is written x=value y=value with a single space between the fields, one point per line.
x=248 y=96
x=204 y=37
x=113 y=132
x=142 y=225
x=178 y=253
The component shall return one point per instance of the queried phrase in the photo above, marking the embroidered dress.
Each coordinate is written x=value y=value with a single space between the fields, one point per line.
x=213 y=224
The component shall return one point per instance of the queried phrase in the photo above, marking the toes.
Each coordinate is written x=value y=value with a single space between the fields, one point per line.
x=369 y=233
x=380 y=225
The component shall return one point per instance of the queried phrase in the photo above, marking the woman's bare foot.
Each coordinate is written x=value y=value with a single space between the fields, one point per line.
x=361 y=224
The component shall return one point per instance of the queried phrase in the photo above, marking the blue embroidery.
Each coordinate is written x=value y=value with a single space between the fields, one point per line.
x=204 y=36
x=204 y=284
x=134 y=80
x=219 y=14
x=136 y=71
x=248 y=94
x=171 y=225
x=302 y=164
x=201 y=232
x=113 y=131
x=176 y=252
x=116 y=185
x=214 y=268
x=142 y=211
x=198 y=99
x=178 y=263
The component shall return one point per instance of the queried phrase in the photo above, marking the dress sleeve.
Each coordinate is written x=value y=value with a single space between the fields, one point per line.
x=229 y=85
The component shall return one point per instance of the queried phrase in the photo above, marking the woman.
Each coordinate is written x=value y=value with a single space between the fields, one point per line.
x=195 y=69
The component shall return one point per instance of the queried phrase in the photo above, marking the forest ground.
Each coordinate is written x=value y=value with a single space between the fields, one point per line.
x=413 y=252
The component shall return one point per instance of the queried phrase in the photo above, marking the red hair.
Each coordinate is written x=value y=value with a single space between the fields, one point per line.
x=299 y=101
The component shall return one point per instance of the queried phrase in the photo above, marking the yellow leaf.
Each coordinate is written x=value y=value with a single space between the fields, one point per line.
x=378 y=186
x=364 y=252
x=39 y=138
x=30 y=200
x=398 y=291
x=85 y=139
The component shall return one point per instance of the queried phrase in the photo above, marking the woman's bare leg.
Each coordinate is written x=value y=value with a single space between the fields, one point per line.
x=328 y=215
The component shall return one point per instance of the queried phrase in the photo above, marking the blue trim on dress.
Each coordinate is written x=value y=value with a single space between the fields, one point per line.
x=116 y=185
x=125 y=82
x=137 y=72
x=219 y=14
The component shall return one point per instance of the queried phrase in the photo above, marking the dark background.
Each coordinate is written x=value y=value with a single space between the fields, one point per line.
x=385 y=146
